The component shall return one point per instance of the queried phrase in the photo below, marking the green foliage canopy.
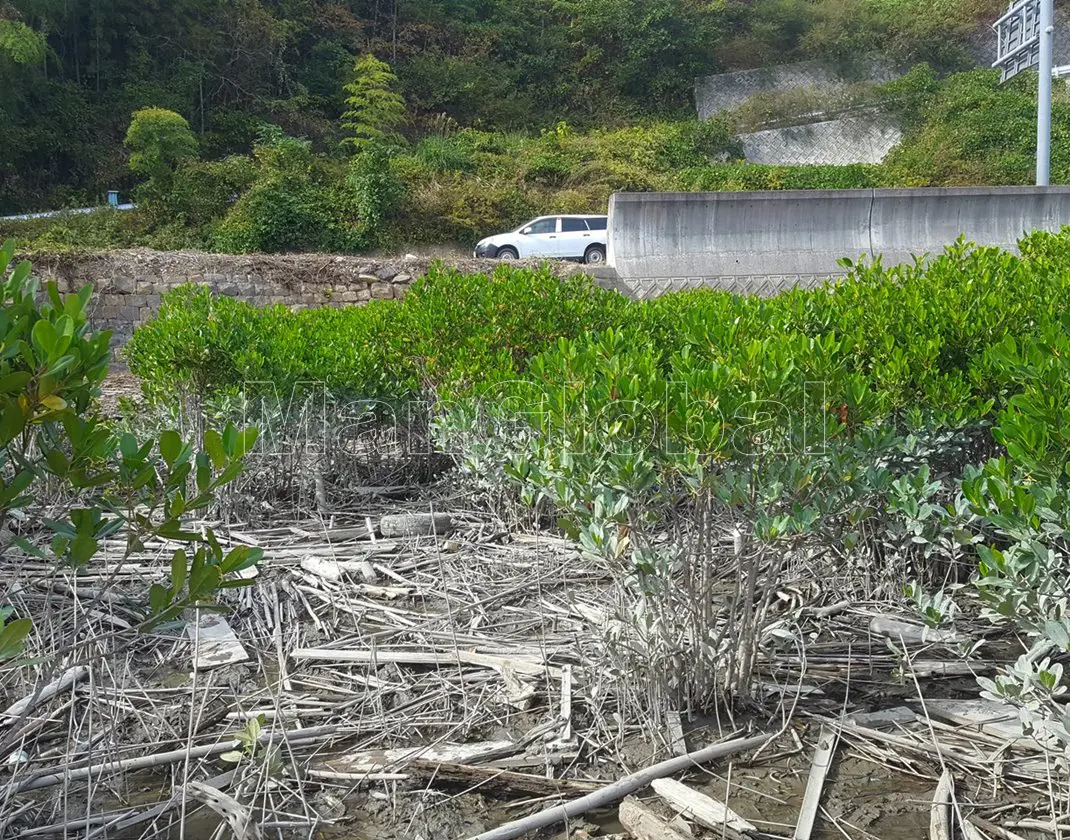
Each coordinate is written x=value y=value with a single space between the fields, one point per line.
x=374 y=108
x=159 y=140
x=20 y=43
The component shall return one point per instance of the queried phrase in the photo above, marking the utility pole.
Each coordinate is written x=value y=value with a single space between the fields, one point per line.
x=1025 y=37
x=1047 y=36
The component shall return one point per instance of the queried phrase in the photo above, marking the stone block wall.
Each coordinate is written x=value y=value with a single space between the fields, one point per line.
x=129 y=285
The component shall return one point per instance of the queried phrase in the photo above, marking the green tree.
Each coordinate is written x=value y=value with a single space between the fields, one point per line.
x=159 y=140
x=375 y=109
x=377 y=193
x=20 y=43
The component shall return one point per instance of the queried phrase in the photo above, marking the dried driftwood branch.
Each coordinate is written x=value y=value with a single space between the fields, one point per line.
x=47 y=692
x=618 y=790
x=819 y=768
x=940 y=815
x=703 y=809
x=644 y=824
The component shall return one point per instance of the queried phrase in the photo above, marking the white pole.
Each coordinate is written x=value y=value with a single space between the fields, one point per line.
x=1047 y=30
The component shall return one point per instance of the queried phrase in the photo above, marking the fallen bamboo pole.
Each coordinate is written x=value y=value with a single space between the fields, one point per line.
x=515 y=662
x=144 y=762
x=618 y=790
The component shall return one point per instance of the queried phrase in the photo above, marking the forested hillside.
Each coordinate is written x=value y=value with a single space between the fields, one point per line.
x=493 y=108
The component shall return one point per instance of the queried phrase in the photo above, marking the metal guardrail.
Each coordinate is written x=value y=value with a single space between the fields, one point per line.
x=52 y=214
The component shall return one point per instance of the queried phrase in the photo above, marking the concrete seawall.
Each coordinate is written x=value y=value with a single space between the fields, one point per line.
x=764 y=242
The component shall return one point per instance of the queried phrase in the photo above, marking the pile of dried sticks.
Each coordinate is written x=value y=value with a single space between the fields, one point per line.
x=466 y=658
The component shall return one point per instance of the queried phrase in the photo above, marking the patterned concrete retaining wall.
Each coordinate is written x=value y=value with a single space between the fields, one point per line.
x=129 y=285
x=855 y=139
x=728 y=90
